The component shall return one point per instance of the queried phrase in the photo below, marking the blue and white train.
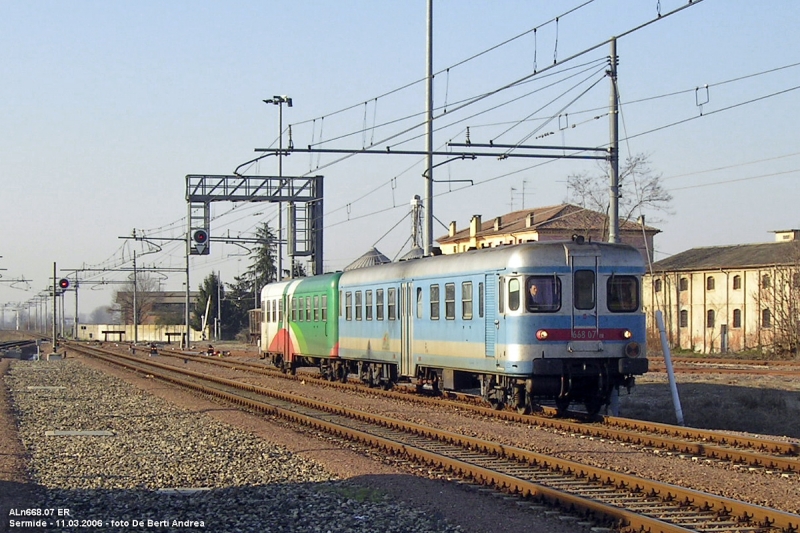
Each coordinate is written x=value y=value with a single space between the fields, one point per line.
x=545 y=321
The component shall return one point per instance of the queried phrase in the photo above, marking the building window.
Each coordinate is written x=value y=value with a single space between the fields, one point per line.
x=657 y=285
x=466 y=300
x=766 y=318
x=737 y=318
x=450 y=301
x=683 y=284
x=434 y=302
x=737 y=282
x=710 y=283
x=765 y=282
x=684 y=318
x=710 y=316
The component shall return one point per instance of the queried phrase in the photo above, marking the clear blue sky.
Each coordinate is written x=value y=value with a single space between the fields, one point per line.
x=107 y=106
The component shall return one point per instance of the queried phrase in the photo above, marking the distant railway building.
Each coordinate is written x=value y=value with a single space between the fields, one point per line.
x=729 y=298
x=557 y=222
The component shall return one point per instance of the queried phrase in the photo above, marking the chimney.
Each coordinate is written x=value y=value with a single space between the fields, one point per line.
x=497 y=222
x=474 y=226
x=452 y=232
x=529 y=220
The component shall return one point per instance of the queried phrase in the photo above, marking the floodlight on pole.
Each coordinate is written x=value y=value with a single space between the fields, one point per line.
x=279 y=101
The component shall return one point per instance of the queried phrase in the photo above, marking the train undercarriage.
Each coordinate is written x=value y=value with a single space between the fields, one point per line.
x=587 y=382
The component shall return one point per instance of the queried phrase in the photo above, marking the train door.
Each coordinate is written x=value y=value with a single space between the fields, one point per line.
x=406 y=316
x=492 y=323
x=583 y=264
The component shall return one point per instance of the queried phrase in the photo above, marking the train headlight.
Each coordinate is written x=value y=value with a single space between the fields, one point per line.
x=627 y=334
x=541 y=334
x=632 y=349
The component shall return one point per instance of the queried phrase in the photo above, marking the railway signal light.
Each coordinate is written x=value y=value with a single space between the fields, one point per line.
x=63 y=283
x=200 y=242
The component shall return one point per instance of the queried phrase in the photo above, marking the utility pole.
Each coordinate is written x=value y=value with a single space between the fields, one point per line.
x=613 y=126
x=428 y=237
x=279 y=101
x=55 y=307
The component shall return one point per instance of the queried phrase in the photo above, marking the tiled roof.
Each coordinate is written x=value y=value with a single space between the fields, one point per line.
x=735 y=256
x=562 y=217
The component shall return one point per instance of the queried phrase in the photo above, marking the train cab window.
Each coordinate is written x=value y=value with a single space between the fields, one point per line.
x=324 y=305
x=379 y=304
x=419 y=302
x=434 y=302
x=622 y=294
x=348 y=305
x=391 y=305
x=513 y=294
x=368 y=305
x=316 y=308
x=308 y=308
x=466 y=300
x=543 y=294
x=359 y=305
x=583 y=289
x=450 y=301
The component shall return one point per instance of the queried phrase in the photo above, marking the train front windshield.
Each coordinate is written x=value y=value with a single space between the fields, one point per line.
x=543 y=294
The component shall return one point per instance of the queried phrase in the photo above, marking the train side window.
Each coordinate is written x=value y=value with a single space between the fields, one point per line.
x=513 y=294
x=480 y=300
x=324 y=306
x=359 y=305
x=368 y=304
x=301 y=304
x=275 y=312
x=434 y=302
x=450 y=301
x=308 y=308
x=379 y=304
x=341 y=302
x=466 y=300
x=316 y=308
x=280 y=310
x=543 y=294
x=294 y=309
x=501 y=295
x=348 y=305
x=391 y=305
x=265 y=312
x=583 y=289
x=622 y=294
x=419 y=302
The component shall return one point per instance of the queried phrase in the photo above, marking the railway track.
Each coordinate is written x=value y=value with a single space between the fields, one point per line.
x=630 y=502
x=758 y=454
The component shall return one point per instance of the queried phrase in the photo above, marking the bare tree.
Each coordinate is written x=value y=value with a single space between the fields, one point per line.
x=640 y=189
x=146 y=286
x=779 y=305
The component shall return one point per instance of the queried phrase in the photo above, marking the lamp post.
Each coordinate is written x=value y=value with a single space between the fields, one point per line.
x=279 y=101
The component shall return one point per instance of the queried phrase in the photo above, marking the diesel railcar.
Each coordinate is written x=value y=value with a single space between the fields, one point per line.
x=557 y=321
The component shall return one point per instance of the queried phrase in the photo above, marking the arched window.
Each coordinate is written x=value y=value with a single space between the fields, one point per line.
x=766 y=318
x=684 y=318
x=710 y=283
x=765 y=281
x=683 y=284
x=657 y=285
x=737 y=318
x=737 y=282
x=710 y=316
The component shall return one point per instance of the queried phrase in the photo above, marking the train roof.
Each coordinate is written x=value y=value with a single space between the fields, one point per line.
x=523 y=255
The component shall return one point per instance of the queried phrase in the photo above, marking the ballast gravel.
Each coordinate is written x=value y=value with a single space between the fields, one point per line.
x=147 y=465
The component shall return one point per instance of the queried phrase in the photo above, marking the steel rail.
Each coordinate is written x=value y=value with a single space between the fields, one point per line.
x=720 y=514
x=714 y=445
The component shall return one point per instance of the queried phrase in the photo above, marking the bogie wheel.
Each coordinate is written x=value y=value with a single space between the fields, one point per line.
x=593 y=405
x=562 y=404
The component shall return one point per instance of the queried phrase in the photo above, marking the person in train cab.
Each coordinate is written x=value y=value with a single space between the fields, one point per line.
x=535 y=297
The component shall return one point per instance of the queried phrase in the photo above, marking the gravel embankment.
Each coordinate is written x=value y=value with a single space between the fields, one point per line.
x=108 y=481
x=263 y=474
